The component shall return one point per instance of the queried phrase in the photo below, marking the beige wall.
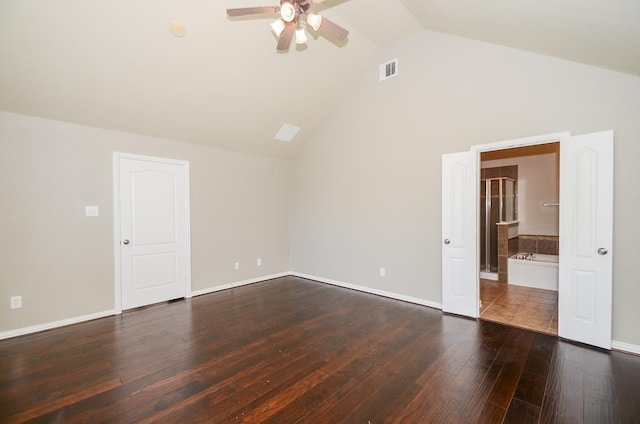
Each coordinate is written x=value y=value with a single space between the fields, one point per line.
x=367 y=189
x=538 y=179
x=364 y=194
x=61 y=262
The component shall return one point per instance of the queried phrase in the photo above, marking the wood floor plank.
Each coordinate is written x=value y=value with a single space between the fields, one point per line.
x=476 y=405
x=59 y=403
x=513 y=357
x=348 y=369
x=387 y=351
x=627 y=387
x=520 y=412
x=293 y=350
x=265 y=393
x=570 y=399
x=530 y=388
x=387 y=381
x=491 y=414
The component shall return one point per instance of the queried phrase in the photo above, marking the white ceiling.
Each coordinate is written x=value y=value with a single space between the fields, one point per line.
x=114 y=64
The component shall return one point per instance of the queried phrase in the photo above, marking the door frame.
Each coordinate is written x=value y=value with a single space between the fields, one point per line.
x=504 y=145
x=116 y=157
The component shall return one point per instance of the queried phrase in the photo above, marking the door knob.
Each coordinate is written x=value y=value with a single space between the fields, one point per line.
x=602 y=251
x=125 y=241
x=447 y=241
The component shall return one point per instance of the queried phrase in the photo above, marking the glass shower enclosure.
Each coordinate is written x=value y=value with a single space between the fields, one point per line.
x=497 y=204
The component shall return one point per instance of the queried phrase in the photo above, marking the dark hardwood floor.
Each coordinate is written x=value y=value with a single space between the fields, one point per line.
x=295 y=351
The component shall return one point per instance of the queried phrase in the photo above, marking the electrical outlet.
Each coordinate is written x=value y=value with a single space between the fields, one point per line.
x=16 y=302
x=236 y=266
x=383 y=272
x=259 y=262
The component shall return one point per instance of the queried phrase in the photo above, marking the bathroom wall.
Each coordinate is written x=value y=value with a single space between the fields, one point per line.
x=538 y=183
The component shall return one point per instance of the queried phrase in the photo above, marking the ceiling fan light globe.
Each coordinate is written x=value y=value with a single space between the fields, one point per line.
x=314 y=20
x=277 y=26
x=301 y=36
x=287 y=12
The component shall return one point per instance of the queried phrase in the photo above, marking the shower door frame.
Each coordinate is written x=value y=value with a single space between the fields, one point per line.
x=488 y=204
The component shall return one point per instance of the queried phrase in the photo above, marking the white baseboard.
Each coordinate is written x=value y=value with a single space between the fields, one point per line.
x=239 y=283
x=89 y=317
x=370 y=290
x=625 y=347
x=55 y=324
x=615 y=345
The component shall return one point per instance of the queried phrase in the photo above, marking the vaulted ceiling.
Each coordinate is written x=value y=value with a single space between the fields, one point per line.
x=115 y=64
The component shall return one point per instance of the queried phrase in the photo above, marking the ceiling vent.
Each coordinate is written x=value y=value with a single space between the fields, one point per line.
x=388 y=70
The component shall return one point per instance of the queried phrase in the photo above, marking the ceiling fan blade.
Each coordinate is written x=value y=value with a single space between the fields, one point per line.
x=244 y=11
x=285 y=38
x=334 y=30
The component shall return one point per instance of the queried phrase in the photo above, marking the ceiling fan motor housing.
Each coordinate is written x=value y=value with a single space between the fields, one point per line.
x=288 y=12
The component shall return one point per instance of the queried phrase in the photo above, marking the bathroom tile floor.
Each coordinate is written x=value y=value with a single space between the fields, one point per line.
x=518 y=306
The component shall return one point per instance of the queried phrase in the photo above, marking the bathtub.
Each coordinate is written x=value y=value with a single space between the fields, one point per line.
x=541 y=272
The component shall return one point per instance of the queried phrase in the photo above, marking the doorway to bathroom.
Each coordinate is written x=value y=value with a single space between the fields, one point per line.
x=585 y=266
x=518 y=231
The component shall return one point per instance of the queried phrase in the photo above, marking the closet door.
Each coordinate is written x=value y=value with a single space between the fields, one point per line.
x=153 y=246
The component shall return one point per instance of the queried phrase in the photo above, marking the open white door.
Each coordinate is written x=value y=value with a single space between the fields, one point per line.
x=153 y=230
x=586 y=225
x=459 y=248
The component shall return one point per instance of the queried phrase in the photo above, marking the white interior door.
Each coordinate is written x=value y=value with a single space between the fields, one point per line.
x=586 y=225
x=154 y=230
x=459 y=246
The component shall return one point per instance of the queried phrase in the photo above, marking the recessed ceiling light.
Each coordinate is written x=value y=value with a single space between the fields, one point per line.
x=177 y=28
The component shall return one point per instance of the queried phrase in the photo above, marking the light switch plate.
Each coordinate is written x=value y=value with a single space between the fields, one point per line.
x=91 y=211
x=16 y=302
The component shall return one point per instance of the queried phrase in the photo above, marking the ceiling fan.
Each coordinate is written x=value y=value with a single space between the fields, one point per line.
x=290 y=22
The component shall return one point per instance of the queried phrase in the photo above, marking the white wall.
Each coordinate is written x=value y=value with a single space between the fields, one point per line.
x=61 y=262
x=367 y=189
x=538 y=179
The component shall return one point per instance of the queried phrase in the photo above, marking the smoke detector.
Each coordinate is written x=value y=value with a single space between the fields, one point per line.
x=177 y=28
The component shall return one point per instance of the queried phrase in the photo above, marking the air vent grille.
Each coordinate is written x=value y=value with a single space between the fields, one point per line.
x=389 y=69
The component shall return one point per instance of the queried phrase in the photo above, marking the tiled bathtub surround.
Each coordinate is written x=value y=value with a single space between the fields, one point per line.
x=548 y=245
